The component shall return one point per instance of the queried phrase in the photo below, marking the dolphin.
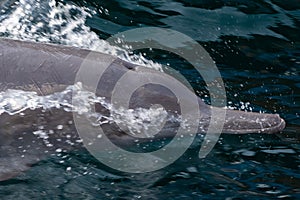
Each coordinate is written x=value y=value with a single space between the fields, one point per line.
x=48 y=68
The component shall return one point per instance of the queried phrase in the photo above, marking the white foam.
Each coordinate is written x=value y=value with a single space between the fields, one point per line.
x=139 y=121
x=61 y=23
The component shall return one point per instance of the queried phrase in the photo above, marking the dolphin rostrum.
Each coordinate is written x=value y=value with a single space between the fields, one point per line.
x=48 y=69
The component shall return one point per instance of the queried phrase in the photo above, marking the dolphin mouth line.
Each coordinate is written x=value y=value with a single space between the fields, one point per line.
x=50 y=58
x=268 y=130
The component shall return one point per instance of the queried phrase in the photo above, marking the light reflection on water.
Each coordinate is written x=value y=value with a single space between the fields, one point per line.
x=256 y=47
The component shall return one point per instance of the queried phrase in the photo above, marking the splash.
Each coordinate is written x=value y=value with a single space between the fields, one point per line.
x=60 y=23
x=243 y=106
x=139 y=122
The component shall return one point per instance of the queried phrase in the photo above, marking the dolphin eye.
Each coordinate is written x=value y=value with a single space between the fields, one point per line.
x=129 y=66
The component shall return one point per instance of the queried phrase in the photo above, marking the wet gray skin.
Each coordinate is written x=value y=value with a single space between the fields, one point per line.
x=46 y=69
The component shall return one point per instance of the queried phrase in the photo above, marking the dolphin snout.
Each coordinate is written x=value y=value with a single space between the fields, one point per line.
x=240 y=122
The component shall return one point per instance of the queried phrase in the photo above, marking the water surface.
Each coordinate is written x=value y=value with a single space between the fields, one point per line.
x=256 y=47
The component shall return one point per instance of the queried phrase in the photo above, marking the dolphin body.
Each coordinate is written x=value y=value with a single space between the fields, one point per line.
x=48 y=68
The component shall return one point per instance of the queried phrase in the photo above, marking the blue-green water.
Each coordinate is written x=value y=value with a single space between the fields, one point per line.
x=256 y=46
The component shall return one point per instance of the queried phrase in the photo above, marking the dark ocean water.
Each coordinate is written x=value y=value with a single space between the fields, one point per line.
x=256 y=47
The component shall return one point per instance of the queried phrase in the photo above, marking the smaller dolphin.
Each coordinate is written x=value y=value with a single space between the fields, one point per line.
x=47 y=69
